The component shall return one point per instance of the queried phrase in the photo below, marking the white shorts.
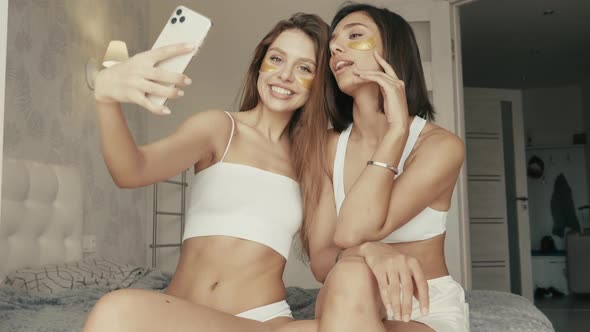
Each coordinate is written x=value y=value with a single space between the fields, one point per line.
x=268 y=312
x=448 y=311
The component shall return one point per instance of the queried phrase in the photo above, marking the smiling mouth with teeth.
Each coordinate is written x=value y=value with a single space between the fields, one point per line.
x=341 y=64
x=280 y=90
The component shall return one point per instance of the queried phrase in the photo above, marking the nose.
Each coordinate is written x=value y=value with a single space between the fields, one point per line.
x=335 y=47
x=286 y=74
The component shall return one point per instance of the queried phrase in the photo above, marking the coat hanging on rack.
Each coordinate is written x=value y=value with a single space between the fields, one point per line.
x=562 y=207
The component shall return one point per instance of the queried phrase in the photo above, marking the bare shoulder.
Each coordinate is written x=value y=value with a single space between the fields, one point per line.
x=211 y=128
x=438 y=142
x=210 y=122
x=210 y=118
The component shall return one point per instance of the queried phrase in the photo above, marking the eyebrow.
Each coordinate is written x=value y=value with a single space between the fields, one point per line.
x=348 y=26
x=308 y=60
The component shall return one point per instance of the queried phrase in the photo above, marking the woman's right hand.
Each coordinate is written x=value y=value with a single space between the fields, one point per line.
x=397 y=275
x=131 y=80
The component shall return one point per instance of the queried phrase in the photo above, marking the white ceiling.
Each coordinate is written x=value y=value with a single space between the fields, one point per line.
x=511 y=44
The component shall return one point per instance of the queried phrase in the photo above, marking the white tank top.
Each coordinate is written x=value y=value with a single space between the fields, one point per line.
x=245 y=202
x=426 y=225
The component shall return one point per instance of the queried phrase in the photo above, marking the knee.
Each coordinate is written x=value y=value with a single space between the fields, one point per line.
x=350 y=278
x=111 y=312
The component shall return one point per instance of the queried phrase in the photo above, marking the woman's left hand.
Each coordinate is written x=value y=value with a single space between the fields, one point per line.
x=393 y=90
x=398 y=277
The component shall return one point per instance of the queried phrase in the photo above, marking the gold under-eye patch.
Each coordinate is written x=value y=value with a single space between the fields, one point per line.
x=305 y=82
x=267 y=67
x=363 y=45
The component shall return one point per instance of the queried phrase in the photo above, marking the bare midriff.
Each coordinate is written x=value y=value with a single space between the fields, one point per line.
x=228 y=274
x=430 y=254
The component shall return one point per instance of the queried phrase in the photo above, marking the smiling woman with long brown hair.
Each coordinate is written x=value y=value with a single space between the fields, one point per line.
x=245 y=202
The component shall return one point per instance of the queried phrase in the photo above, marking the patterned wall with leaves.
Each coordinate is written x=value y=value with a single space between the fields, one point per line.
x=50 y=115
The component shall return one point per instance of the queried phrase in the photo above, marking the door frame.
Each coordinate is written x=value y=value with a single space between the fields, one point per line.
x=510 y=95
x=459 y=116
x=3 y=50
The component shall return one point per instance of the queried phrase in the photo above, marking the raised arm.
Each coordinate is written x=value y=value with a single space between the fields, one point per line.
x=134 y=166
x=376 y=204
x=432 y=172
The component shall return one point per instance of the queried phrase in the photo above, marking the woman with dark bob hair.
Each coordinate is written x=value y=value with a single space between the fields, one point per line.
x=375 y=229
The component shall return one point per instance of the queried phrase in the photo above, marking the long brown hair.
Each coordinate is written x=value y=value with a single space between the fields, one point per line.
x=308 y=127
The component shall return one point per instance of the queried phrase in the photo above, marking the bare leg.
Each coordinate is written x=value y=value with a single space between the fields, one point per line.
x=141 y=310
x=300 y=326
x=350 y=301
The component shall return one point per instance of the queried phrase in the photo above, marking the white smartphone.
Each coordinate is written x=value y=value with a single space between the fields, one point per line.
x=183 y=26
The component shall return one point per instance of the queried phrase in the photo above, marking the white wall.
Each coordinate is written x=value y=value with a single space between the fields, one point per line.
x=553 y=115
x=3 y=36
x=50 y=114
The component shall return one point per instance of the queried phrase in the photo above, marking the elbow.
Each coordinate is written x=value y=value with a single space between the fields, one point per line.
x=318 y=273
x=347 y=239
x=125 y=182
x=320 y=277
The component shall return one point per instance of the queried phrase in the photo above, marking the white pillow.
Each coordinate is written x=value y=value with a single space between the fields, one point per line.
x=55 y=278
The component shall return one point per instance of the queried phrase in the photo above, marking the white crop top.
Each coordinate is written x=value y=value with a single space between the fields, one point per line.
x=245 y=202
x=426 y=225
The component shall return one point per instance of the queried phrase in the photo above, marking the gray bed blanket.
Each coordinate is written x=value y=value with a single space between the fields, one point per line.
x=489 y=311
x=67 y=311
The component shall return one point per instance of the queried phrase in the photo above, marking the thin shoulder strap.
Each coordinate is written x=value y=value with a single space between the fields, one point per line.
x=415 y=129
x=338 y=170
x=233 y=126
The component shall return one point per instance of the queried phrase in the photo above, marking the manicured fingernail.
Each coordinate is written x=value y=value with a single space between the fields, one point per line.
x=166 y=111
x=389 y=312
x=189 y=46
x=406 y=318
x=188 y=81
x=180 y=93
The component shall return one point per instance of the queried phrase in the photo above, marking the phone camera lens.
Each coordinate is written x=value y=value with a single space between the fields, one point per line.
x=178 y=12
x=182 y=18
x=173 y=20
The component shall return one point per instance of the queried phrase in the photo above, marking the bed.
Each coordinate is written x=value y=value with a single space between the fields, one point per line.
x=47 y=286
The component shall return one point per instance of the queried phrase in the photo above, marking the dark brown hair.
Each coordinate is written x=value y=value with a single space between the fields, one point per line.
x=400 y=49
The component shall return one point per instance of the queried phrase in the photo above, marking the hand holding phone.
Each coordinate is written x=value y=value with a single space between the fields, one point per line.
x=183 y=26
x=149 y=78
x=131 y=80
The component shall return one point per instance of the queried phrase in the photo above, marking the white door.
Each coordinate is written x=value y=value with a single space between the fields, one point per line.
x=487 y=194
x=489 y=205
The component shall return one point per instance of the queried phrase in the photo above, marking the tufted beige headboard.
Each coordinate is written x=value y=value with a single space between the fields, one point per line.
x=41 y=220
